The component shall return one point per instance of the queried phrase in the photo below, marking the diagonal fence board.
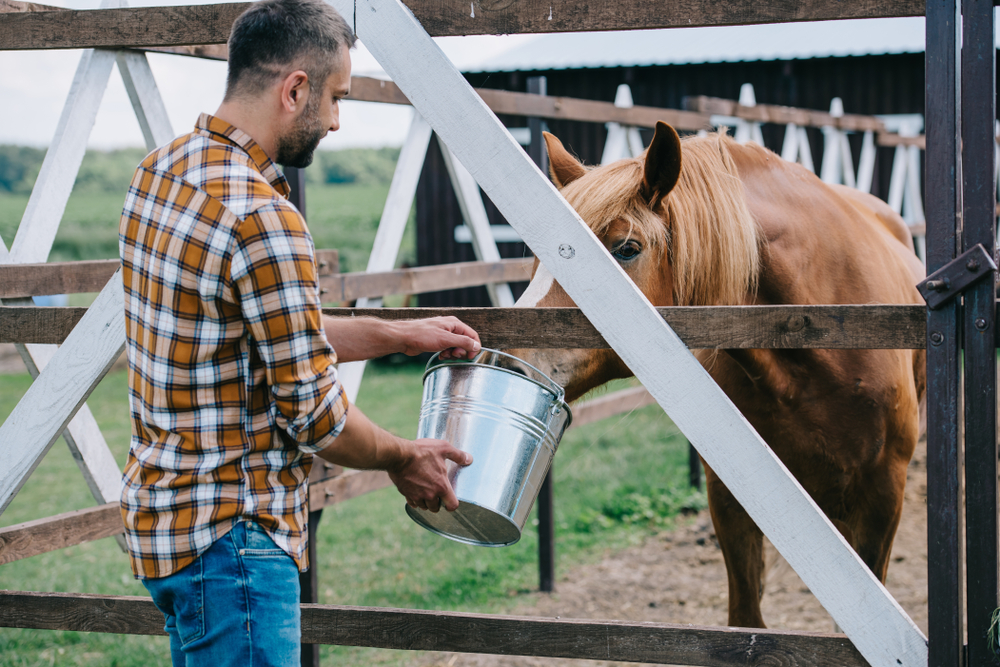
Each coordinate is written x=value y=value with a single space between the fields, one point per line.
x=61 y=388
x=700 y=327
x=877 y=625
x=210 y=24
x=410 y=629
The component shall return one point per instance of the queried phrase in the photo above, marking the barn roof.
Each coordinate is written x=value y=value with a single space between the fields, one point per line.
x=785 y=41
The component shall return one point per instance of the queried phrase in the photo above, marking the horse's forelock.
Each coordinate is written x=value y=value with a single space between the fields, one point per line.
x=709 y=231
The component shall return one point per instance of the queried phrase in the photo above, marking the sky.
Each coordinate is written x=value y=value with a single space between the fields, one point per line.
x=34 y=86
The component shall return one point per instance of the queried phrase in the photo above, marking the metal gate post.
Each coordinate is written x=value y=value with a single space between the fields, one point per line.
x=945 y=608
x=978 y=91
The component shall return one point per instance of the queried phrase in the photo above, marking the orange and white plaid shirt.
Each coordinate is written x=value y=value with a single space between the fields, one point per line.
x=231 y=379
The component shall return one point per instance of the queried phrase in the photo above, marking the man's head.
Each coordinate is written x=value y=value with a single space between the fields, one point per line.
x=297 y=49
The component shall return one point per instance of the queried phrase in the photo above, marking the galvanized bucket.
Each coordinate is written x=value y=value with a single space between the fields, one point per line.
x=510 y=416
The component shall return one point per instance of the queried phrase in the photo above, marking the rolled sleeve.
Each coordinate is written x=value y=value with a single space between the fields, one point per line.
x=274 y=275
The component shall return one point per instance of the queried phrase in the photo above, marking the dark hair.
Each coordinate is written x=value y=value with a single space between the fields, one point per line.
x=273 y=34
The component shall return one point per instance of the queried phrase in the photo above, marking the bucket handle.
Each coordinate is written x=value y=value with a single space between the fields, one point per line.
x=552 y=384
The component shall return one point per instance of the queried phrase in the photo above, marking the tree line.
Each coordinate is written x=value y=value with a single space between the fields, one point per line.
x=111 y=171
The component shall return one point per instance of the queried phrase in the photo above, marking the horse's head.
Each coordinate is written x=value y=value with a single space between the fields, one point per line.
x=685 y=237
x=623 y=203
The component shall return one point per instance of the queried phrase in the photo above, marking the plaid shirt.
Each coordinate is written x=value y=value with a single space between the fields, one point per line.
x=231 y=379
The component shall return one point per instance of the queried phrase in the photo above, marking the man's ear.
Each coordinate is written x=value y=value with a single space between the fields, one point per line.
x=563 y=167
x=294 y=91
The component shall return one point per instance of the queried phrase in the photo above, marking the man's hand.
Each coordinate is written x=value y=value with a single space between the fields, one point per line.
x=422 y=476
x=453 y=337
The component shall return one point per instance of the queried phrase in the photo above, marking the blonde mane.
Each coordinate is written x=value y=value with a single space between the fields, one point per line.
x=712 y=239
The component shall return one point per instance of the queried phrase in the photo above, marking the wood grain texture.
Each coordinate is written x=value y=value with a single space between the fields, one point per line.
x=700 y=327
x=58 y=532
x=210 y=24
x=596 y=409
x=405 y=629
x=349 y=484
x=772 y=113
x=26 y=280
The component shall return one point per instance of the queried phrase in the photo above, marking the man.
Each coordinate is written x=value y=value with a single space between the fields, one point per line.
x=231 y=375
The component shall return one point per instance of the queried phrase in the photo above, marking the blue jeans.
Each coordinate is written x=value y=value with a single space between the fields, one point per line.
x=237 y=604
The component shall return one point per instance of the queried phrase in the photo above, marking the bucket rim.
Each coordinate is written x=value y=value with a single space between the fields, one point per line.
x=553 y=386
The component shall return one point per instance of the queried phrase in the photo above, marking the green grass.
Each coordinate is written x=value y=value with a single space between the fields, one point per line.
x=371 y=554
x=344 y=217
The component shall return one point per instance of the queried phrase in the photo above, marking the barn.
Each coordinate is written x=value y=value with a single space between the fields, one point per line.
x=874 y=66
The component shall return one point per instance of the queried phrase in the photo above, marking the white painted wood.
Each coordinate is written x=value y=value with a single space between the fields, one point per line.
x=623 y=141
x=838 y=165
x=391 y=227
x=47 y=202
x=474 y=212
x=872 y=619
x=145 y=98
x=745 y=130
x=61 y=388
x=500 y=234
x=866 y=162
x=790 y=144
x=805 y=153
x=897 y=179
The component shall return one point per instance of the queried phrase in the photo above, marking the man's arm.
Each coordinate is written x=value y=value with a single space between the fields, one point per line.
x=416 y=467
x=359 y=338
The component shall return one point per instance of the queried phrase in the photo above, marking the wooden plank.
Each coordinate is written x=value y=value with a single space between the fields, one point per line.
x=26 y=280
x=980 y=355
x=210 y=24
x=351 y=286
x=350 y=484
x=60 y=389
x=409 y=629
x=877 y=625
x=943 y=196
x=145 y=97
x=773 y=113
x=58 y=532
x=700 y=327
x=892 y=139
x=596 y=409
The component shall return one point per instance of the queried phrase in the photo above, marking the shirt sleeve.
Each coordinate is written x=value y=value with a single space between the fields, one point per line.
x=274 y=278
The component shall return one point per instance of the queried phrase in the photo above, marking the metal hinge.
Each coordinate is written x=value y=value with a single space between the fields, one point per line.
x=954 y=277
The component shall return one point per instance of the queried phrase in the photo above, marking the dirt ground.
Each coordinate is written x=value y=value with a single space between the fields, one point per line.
x=679 y=577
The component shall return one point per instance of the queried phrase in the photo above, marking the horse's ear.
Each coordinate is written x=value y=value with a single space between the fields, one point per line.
x=663 y=164
x=563 y=167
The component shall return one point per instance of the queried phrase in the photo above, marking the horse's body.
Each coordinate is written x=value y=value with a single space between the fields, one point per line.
x=739 y=225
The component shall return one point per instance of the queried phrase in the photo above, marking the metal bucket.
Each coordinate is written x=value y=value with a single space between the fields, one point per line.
x=511 y=422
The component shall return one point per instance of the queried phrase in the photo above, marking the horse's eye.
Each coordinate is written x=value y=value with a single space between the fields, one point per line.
x=627 y=251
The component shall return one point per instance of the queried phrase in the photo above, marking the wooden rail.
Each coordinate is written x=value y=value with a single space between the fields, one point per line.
x=417 y=630
x=210 y=24
x=23 y=280
x=700 y=327
x=40 y=536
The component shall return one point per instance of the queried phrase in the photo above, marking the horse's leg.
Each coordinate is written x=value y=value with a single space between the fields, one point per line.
x=743 y=549
x=875 y=515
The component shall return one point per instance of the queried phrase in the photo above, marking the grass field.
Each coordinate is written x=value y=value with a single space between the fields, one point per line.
x=616 y=482
x=344 y=217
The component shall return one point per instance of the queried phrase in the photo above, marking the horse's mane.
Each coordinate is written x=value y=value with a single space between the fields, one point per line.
x=710 y=233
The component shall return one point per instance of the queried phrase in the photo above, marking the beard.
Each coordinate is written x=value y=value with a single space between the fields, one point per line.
x=296 y=148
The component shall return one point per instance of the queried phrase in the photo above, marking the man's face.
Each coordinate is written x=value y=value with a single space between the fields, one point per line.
x=320 y=115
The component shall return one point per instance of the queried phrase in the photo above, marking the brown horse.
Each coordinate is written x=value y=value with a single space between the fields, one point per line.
x=737 y=225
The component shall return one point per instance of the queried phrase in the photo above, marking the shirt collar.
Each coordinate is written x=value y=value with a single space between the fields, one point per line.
x=223 y=131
